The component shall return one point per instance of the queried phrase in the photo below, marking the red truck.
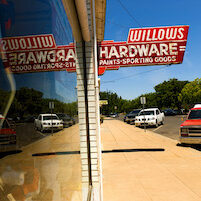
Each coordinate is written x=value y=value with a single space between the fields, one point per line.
x=190 y=129
x=8 y=139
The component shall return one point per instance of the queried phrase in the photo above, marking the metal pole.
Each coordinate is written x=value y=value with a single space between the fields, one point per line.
x=51 y=119
x=144 y=118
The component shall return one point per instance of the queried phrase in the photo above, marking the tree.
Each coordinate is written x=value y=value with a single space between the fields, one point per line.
x=113 y=100
x=191 y=94
x=151 y=100
x=168 y=92
x=30 y=100
x=4 y=97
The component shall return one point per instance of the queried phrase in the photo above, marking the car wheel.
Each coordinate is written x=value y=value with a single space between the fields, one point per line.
x=162 y=122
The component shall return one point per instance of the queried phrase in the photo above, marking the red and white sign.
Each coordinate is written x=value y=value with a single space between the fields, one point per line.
x=146 y=46
x=153 y=34
x=36 y=54
x=22 y=43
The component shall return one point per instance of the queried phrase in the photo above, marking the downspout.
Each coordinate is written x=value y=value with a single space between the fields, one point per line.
x=83 y=19
x=69 y=6
x=97 y=99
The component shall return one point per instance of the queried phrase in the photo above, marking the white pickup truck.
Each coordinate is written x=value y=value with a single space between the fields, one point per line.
x=150 y=117
x=46 y=122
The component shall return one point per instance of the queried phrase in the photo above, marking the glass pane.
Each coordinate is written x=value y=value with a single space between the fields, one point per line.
x=39 y=138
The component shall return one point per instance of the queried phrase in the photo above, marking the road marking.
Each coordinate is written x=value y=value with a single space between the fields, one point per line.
x=157 y=128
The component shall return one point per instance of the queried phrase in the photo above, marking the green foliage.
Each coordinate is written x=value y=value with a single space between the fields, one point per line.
x=166 y=96
x=167 y=93
x=31 y=102
x=113 y=100
x=4 y=97
x=191 y=93
x=151 y=100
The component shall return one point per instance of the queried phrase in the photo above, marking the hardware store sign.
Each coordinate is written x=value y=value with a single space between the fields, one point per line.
x=144 y=47
x=37 y=53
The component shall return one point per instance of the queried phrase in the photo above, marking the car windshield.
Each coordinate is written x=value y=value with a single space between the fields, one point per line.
x=195 y=114
x=146 y=113
x=50 y=117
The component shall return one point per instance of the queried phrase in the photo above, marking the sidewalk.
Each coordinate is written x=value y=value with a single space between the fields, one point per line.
x=170 y=175
x=55 y=177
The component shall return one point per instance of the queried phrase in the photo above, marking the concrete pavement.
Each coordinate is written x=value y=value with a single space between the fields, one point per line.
x=24 y=177
x=170 y=175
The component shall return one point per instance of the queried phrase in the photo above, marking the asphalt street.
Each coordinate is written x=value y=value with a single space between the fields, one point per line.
x=169 y=129
x=27 y=134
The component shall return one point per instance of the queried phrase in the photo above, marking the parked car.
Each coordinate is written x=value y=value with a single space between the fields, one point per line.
x=149 y=117
x=47 y=122
x=8 y=138
x=30 y=119
x=67 y=120
x=114 y=115
x=190 y=129
x=178 y=112
x=169 y=112
x=130 y=117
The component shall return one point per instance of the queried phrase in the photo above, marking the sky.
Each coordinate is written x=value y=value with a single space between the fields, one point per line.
x=131 y=82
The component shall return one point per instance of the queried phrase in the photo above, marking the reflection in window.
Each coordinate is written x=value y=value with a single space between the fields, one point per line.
x=38 y=164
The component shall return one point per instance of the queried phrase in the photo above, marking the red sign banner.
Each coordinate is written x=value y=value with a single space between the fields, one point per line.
x=144 y=47
x=37 y=54
x=153 y=34
x=23 y=43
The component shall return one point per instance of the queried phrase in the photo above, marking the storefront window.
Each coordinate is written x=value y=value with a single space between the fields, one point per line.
x=39 y=138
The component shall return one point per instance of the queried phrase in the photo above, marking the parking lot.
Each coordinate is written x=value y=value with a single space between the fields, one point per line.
x=169 y=129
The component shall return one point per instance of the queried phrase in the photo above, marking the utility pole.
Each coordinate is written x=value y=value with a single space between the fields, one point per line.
x=51 y=107
x=143 y=102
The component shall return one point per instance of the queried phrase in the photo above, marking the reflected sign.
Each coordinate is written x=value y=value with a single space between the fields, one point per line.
x=37 y=53
x=144 y=47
